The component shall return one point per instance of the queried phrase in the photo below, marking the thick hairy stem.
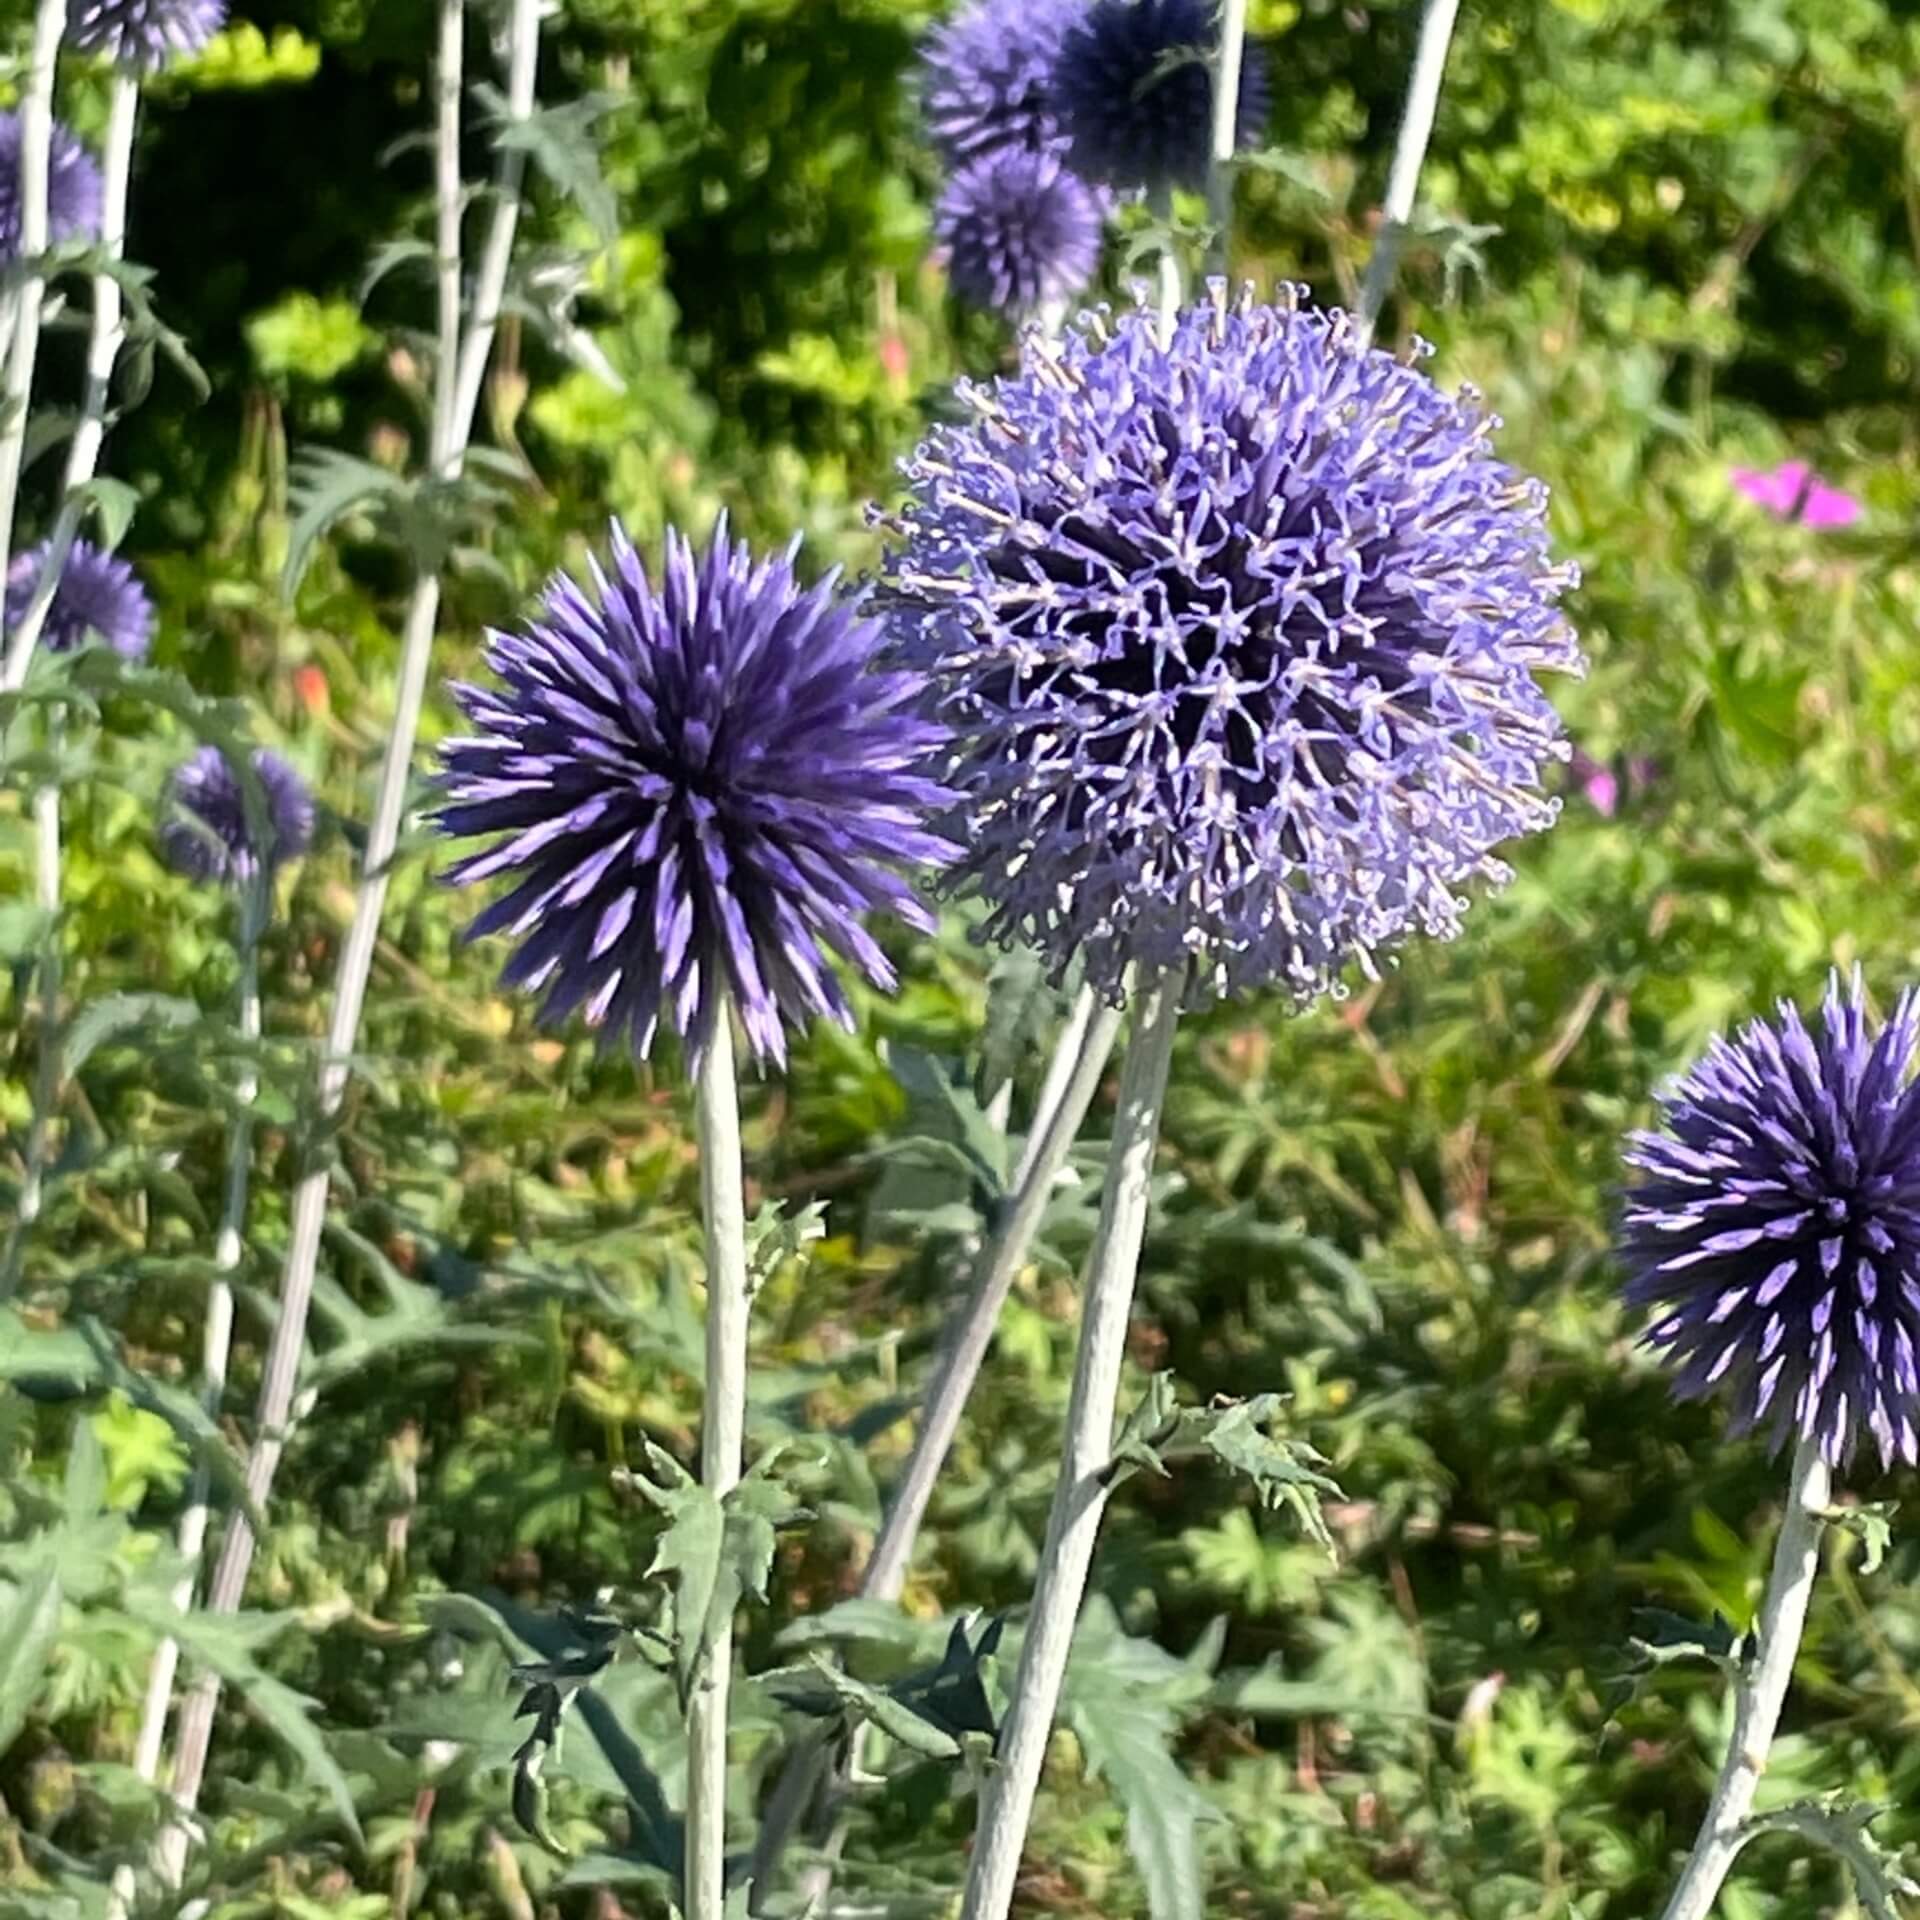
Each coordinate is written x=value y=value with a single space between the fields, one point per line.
x=1080 y=1494
x=36 y=145
x=1761 y=1689
x=103 y=350
x=722 y=1445
x=1226 y=128
x=216 y=1342
x=275 y=1410
x=1409 y=155
x=496 y=254
x=1056 y=1127
x=1072 y=1078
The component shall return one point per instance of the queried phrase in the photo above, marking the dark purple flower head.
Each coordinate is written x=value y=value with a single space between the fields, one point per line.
x=99 y=597
x=74 y=188
x=987 y=77
x=701 y=785
x=144 y=34
x=1237 y=636
x=1133 y=89
x=1019 y=230
x=205 y=833
x=1777 y=1228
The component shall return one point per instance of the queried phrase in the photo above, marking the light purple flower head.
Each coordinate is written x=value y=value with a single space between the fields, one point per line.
x=987 y=77
x=1133 y=90
x=1777 y=1228
x=99 y=597
x=700 y=785
x=74 y=189
x=1237 y=636
x=144 y=34
x=1793 y=491
x=1019 y=231
x=205 y=833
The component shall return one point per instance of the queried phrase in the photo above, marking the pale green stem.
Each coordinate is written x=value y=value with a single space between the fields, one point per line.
x=1172 y=288
x=722 y=1449
x=275 y=1411
x=1064 y=1101
x=1761 y=1688
x=1080 y=1494
x=216 y=1342
x=105 y=334
x=1226 y=127
x=36 y=145
x=1072 y=1078
x=1409 y=155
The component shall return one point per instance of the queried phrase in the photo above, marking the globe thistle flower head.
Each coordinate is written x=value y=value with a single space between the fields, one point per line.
x=1237 y=635
x=1133 y=89
x=1020 y=232
x=74 y=188
x=99 y=597
x=1776 y=1228
x=986 y=83
x=206 y=833
x=144 y=34
x=699 y=786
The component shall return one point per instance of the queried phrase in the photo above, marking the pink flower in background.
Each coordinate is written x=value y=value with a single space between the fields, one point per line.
x=1605 y=784
x=1793 y=491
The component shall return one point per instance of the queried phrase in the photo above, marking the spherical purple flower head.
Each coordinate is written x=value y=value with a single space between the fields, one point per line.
x=1237 y=636
x=144 y=34
x=1133 y=88
x=702 y=785
x=206 y=834
x=1778 y=1226
x=99 y=597
x=1019 y=231
x=987 y=77
x=74 y=188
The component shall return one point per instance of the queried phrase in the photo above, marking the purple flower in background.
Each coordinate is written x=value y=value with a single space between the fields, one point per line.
x=1605 y=783
x=206 y=834
x=700 y=785
x=144 y=34
x=1777 y=1228
x=73 y=188
x=1793 y=491
x=99 y=596
x=987 y=77
x=1133 y=88
x=1019 y=230
x=1238 y=638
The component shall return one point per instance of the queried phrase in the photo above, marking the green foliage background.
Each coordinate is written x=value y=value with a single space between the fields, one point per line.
x=1664 y=236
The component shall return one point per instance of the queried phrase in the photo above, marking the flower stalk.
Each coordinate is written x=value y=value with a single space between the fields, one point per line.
x=1085 y=1044
x=105 y=334
x=1226 y=130
x=275 y=1409
x=23 y=351
x=1761 y=1687
x=722 y=1449
x=1409 y=155
x=1080 y=1494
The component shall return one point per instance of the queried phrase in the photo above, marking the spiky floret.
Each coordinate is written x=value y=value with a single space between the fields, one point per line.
x=74 y=188
x=206 y=833
x=1133 y=91
x=1237 y=635
x=986 y=80
x=1776 y=1227
x=1020 y=232
x=700 y=787
x=144 y=34
x=99 y=597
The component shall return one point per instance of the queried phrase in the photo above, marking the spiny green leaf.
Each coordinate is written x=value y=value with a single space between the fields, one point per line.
x=29 y=1627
